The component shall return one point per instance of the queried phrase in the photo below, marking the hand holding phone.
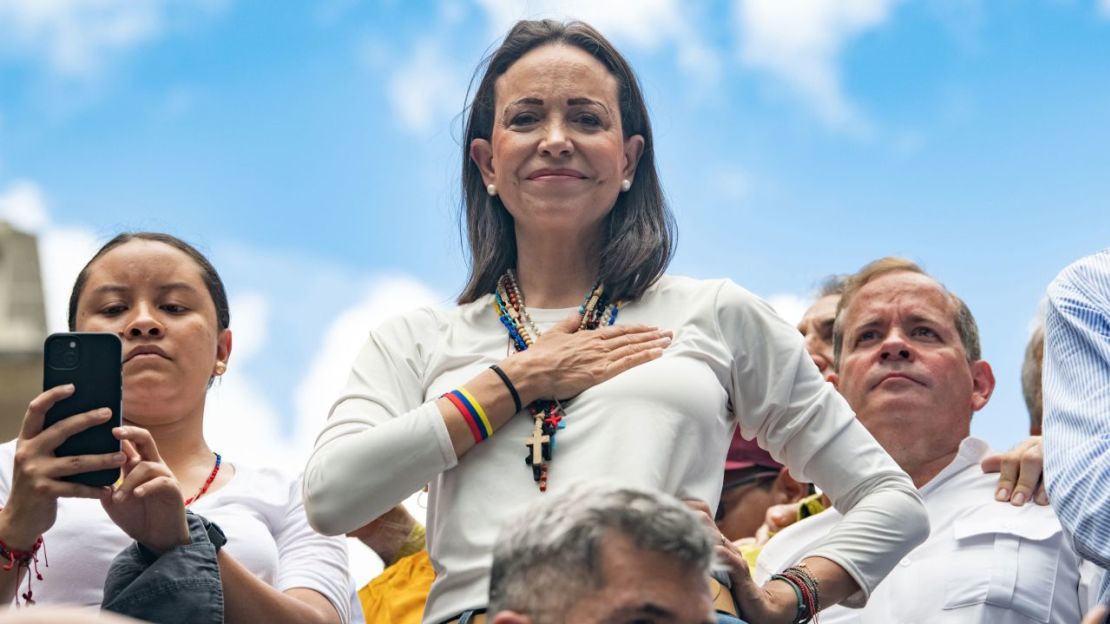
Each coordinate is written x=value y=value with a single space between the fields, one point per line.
x=38 y=475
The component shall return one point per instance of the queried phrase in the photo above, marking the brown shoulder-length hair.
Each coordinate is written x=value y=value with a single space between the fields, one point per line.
x=641 y=228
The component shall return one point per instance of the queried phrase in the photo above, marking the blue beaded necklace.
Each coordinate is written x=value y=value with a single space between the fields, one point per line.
x=547 y=415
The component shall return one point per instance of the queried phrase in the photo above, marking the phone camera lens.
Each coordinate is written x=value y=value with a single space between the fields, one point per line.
x=63 y=354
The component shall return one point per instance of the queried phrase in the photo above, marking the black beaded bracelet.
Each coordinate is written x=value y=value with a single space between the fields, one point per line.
x=508 y=384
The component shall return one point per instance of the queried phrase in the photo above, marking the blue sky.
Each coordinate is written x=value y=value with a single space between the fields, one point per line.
x=312 y=149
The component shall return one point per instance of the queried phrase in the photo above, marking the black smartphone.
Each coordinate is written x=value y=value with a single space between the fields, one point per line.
x=93 y=363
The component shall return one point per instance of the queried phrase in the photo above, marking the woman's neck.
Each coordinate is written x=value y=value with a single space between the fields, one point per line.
x=181 y=443
x=554 y=272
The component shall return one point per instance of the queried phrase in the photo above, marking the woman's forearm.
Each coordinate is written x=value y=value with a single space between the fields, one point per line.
x=360 y=470
x=249 y=599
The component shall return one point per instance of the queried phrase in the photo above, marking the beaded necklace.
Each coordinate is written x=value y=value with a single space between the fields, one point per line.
x=208 y=481
x=547 y=415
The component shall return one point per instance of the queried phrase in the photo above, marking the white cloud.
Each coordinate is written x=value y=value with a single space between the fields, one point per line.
x=252 y=321
x=644 y=24
x=240 y=418
x=730 y=183
x=63 y=251
x=789 y=306
x=23 y=205
x=800 y=42
x=427 y=89
x=1104 y=8
x=75 y=37
x=241 y=422
x=328 y=373
x=340 y=343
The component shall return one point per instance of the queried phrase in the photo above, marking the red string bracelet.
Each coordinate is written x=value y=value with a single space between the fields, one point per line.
x=24 y=559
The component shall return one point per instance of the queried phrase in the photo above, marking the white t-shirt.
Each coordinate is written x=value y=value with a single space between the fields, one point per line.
x=664 y=425
x=259 y=510
x=984 y=561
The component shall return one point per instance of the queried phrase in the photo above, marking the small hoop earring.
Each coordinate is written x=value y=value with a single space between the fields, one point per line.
x=492 y=190
x=626 y=184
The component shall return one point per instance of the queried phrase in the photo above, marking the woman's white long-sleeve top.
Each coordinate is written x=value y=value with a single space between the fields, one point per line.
x=664 y=425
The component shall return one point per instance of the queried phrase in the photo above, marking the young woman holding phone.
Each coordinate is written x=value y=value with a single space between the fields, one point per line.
x=168 y=305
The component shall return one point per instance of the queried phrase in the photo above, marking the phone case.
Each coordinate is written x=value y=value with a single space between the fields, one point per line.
x=93 y=362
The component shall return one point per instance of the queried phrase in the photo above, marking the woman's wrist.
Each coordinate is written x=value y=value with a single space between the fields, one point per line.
x=15 y=536
x=782 y=601
x=525 y=376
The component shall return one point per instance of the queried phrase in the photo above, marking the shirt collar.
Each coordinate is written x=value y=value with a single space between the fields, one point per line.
x=972 y=451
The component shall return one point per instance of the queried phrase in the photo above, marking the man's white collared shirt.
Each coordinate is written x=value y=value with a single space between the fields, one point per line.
x=984 y=561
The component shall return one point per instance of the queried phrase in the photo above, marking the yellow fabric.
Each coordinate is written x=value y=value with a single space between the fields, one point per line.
x=811 y=505
x=808 y=506
x=398 y=594
x=750 y=552
x=414 y=543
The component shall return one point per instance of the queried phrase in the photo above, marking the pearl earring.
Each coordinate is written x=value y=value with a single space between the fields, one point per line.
x=221 y=368
x=492 y=190
x=626 y=184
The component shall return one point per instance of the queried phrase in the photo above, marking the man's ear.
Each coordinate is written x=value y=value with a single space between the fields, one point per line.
x=834 y=378
x=787 y=489
x=481 y=152
x=510 y=617
x=982 y=384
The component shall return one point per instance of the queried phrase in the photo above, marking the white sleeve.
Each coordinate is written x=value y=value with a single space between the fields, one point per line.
x=780 y=398
x=310 y=560
x=383 y=441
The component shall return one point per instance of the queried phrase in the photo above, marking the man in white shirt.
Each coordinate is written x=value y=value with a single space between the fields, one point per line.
x=907 y=359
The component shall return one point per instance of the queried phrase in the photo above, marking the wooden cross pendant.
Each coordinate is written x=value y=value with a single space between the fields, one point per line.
x=538 y=444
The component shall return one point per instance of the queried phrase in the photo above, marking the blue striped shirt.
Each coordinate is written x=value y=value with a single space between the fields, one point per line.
x=1077 y=405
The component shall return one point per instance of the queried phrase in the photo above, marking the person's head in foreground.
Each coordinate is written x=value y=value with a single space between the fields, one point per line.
x=907 y=359
x=601 y=553
x=817 y=322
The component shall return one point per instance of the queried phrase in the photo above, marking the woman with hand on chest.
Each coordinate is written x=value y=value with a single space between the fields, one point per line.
x=572 y=356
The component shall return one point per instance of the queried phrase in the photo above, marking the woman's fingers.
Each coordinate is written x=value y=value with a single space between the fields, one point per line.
x=139 y=475
x=77 y=464
x=633 y=347
x=634 y=358
x=157 y=486
x=36 y=410
x=133 y=457
x=141 y=440
x=53 y=436
x=617 y=331
x=53 y=488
